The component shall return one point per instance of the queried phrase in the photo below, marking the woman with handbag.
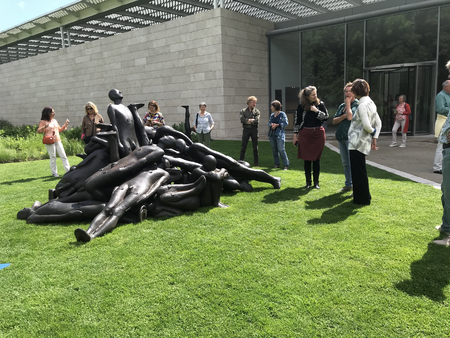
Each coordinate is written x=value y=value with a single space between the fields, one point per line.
x=277 y=122
x=203 y=124
x=309 y=134
x=51 y=129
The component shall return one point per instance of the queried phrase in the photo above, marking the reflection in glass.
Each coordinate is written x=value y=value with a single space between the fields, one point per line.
x=444 y=47
x=355 y=50
x=323 y=63
x=402 y=38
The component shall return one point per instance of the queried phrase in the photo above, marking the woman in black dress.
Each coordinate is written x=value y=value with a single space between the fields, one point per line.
x=309 y=134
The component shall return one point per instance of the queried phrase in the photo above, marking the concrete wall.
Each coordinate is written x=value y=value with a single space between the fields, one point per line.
x=216 y=56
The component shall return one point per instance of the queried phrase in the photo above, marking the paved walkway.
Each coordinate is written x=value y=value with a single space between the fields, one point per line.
x=414 y=162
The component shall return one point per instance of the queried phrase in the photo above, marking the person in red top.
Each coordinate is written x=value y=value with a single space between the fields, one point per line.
x=402 y=112
x=50 y=127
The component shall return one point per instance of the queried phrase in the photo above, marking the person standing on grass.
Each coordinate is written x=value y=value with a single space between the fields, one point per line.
x=90 y=119
x=444 y=138
x=277 y=122
x=442 y=105
x=309 y=135
x=203 y=124
x=250 y=119
x=50 y=127
x=342 y=118
x=362 y=135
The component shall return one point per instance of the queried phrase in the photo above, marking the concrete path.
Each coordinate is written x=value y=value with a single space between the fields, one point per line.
x=414 y=162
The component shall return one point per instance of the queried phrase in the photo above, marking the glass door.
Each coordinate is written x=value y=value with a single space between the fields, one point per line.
x=414 y=81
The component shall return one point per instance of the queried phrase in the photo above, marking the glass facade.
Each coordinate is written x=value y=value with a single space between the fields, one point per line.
x=399 y=54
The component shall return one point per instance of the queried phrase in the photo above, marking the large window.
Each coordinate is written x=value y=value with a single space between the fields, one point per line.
x=444 y=46
x=404 y=38
x=323 y=63
x=355 y=50
x=285 y=71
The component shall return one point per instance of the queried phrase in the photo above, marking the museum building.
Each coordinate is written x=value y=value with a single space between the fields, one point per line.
x=183 y=52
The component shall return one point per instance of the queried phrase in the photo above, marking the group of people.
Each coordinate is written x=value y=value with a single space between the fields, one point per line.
x=358 y=128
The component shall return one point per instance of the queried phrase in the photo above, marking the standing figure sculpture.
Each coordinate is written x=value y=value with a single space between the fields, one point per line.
x=126 y=123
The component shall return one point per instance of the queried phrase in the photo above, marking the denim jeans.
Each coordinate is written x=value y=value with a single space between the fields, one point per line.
x=54 y=148
x=345 y=157
x=278 y=148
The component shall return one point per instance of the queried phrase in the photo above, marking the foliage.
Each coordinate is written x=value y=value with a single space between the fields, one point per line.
x=276 y=263
x=22 y=143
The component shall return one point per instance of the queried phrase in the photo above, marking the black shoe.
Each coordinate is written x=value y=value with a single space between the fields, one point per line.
x=286 y=167
x=316 y=186
x=438 y=172
x=276 y=166
x=308 y=185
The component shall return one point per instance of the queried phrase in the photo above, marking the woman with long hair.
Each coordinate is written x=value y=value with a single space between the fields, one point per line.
x=90 y=118
x=50 y=128
x=309 y=135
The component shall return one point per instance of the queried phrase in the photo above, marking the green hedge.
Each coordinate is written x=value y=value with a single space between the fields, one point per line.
x=23 y=143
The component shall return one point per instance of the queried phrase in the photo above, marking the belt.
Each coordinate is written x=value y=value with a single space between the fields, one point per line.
x=445 y=145
x=311 y=127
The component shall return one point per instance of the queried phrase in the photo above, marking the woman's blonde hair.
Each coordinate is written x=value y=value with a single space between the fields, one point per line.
x=90 y=105
x=304 y=97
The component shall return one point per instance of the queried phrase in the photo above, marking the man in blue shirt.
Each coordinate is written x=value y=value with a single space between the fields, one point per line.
x=442 y=105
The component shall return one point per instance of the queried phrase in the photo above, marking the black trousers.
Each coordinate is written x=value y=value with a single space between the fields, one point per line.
x=361 y=193
x=316 y=171
x=246 y=134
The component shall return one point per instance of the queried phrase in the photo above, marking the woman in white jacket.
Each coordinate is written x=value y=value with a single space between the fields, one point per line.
x=362 y=136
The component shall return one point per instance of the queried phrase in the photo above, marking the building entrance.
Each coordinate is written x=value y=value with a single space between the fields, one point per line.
x=416 y=81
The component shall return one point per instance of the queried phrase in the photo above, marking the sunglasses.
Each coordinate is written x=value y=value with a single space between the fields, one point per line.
x=89 y=108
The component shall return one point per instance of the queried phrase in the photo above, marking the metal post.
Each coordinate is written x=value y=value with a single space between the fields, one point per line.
x=216 y=4
x=61 y=29
x=68 y=37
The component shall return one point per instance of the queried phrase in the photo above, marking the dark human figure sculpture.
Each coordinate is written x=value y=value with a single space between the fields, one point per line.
x=129 y=170
x=174 y=199
x=126 y=123
x=169 y=131
x=131 y=193
x=56 y=211
x=187 y=124
x=74 y=179
x=101 y=184
x=214 y=182
x=198 y=151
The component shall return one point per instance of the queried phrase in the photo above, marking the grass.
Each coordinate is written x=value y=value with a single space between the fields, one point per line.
x=276 y=263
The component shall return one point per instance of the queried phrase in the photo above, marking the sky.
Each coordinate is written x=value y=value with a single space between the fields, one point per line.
x=16 y=12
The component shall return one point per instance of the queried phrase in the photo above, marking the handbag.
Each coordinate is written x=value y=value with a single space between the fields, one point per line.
x=49 y=139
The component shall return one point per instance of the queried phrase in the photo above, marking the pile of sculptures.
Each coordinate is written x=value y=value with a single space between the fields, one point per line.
x=130 y=171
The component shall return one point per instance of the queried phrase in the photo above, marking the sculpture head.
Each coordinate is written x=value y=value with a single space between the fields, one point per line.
x=167 y=142
x=209 y=163
x=115 y=94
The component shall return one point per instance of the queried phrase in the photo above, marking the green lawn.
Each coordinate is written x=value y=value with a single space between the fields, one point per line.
x=276 y=263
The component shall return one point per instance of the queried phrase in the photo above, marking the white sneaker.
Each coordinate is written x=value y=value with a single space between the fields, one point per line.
x=403 y=145
x=393 y=144
x=445 y=241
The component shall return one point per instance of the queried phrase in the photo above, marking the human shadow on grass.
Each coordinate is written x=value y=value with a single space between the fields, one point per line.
x=288 y=194
x=338 y=206
x=26 y=180
x=429 y=275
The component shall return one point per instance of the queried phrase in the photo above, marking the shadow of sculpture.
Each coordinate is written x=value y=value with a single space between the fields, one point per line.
x=130 y=171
